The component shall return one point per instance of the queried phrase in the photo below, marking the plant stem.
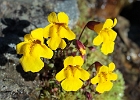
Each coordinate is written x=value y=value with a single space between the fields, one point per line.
x=82 y=32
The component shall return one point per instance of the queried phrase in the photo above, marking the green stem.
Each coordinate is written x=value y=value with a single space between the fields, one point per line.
x=82 y=32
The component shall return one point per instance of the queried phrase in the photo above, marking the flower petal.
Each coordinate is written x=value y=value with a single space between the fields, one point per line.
x=52 y=18
x=95 y=80
x=31 y=63
x=77 y=60
x=19 y=48
x=27 y=37
x=103 y=69
x=53 y=31
x=107 y=47
x=112 y=35
x=98 y=40
x=71 y=85
x=63 y=18
x=102 y=87
x=115 y=22
x=46 y=52
x=25 y=48
x=113 y=76
x=47 y=30
x=111 y=66
x=41 y=51
x=54 y=42
x=108 y=24
x=62 y=44
x=38 y=34
x=65 y=32
x=60 y=75
x=84 y=74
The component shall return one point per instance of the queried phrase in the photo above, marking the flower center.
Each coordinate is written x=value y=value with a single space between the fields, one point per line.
x=37 y=42
x=70 y=71
x=33 y=43
x=103 y=77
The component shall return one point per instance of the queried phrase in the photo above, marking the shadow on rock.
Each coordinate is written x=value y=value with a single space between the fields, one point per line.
x=12 y=32
x=14 y=26
x=28 y=76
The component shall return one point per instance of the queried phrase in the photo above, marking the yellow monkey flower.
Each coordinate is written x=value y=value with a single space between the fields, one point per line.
x=72 y=74
x=57 y=30
x=33 y=48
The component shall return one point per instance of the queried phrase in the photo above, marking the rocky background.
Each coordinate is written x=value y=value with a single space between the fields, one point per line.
x=19 y=17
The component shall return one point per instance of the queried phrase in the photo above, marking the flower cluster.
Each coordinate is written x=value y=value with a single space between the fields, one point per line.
x=44 y=43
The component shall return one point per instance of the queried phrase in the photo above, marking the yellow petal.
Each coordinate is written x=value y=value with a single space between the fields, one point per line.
x=115 y=22
x=46 y=52
x=27 y=37
x=38 y=34
x=112 y=35
x=25 y=48
x=111 y=66
x=41 y=51
x=98 y=40
x=102 y=87
x=30 y=63
x=54 y=42
x=19 y=48
x=107 y=47
x=108 y=85
x=95 y=80
x=103 y=69
x=60 y=75
x=113 y=76
x=62 y=44
x=68 y=61
x=71 y=85
x=77 y=60
x=53 y=31
x=47 y=30
x=63 y=18
x=52 y=18
x=65 y=32
x=108 y=24
x=84 y=74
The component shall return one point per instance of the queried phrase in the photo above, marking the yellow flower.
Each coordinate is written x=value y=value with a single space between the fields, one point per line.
x=104 y=77
x=58 y=29
x=72 y=74
x=105 y=35
x=32 y=49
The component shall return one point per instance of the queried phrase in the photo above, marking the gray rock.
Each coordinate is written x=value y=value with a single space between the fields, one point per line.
x=36 y=11
x=69 y=7
x=12 y=84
